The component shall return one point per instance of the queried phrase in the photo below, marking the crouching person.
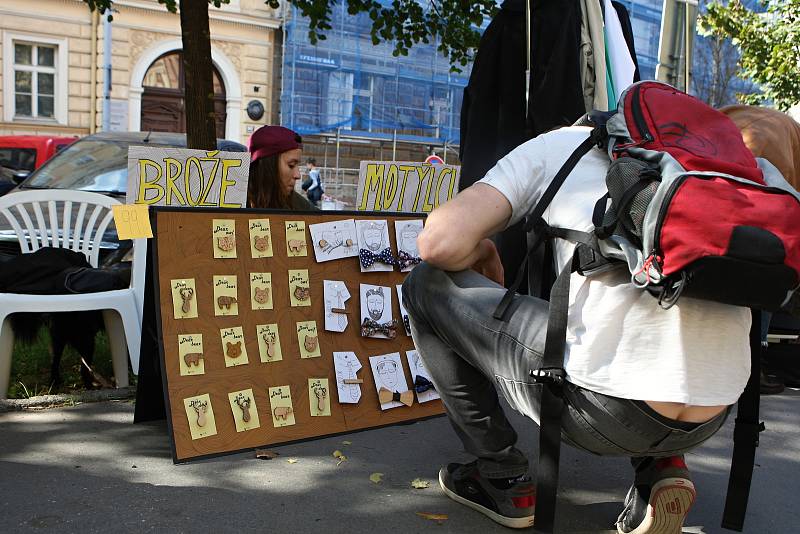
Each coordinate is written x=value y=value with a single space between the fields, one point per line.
x=641 y=381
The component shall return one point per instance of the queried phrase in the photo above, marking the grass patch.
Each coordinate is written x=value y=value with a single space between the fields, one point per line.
x=30 y=366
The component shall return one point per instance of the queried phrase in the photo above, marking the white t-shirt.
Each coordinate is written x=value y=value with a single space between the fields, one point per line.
x=620 y=342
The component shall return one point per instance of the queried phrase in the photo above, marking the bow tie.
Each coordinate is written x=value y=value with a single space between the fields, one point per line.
x=370 y=327
x=385 y=395
x=407 y=325
x=422 y=384
x=404 y=259
x=384 y=256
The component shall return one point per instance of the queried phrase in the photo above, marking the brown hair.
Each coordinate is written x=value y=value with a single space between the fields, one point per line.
x=264 y=189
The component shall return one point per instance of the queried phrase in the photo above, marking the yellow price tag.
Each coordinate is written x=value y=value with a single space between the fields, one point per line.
x=132 y=221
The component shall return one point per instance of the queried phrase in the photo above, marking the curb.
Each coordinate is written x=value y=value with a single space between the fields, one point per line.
x=54 y=401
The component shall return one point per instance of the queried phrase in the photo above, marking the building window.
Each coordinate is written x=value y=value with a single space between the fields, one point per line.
x=34 y=78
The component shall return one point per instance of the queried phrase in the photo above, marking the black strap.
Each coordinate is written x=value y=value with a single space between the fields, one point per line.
x=552 y=375
x=745 y=437
x=597 y=135
x=605 y=230
x=535 y=223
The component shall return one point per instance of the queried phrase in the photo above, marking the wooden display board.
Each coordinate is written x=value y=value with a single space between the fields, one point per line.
x=185 y=246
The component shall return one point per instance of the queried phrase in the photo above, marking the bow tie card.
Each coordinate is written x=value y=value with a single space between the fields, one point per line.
x=406 y=233
x=422 y=378
x=390 y=381
x=376 y=312
x=335 y=294
x=348 y=385
x=334 y=240
x=374 y=248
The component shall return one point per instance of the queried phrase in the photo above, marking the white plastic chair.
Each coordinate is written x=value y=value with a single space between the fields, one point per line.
x=75 y=220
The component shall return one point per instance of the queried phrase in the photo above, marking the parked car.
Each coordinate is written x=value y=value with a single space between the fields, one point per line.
x=20 y=155
x=97 y=163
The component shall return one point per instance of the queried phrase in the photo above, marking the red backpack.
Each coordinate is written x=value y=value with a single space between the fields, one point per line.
x=689 y=212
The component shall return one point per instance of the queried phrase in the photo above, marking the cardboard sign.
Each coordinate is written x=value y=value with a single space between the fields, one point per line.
x=182 y=177
x=405 y=186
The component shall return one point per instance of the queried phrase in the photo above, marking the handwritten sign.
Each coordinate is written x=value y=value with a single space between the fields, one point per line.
x=182 y=177
x=405 y=186
x=132 y=221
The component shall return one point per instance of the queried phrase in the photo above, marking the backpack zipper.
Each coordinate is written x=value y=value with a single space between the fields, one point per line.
x=662 y=211
x=638 y=115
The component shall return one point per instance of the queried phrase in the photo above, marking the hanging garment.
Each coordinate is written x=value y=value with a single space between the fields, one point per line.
x=493 y=118
x=627 y=31
x=593 y=57
x=621 y=67
x=493 y=110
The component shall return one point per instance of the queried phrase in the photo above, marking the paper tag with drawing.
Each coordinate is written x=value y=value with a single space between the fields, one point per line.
x=260 y=238
x=269 y=343
x=374 y=246
x=376 y=310
x=245 y=412
x=190 y=354
x=308 y=339
x=184 y=298
x=280 y=404
x=226 y=301
x=223 y=234
x=406 y=233
x=336 y=294
x=261 y=291
x=200 y=415
x=403 y=312
x=319 y=397
x=388 y=373
x=296 y=239
x=299 y=287
x=233 y=346
x=422 y=379
x=348 y=386
x=334 y=240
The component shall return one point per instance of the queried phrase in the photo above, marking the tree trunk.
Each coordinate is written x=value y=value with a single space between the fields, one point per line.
x=199 y=97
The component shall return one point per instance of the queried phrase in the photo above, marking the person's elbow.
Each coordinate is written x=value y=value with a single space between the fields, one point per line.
x=438 y=248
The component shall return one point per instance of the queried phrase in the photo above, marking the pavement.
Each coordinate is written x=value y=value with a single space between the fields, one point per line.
x=87 y=468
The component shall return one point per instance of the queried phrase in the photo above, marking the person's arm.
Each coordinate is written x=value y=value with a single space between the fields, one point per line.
x=454 y=237
x=455 y=234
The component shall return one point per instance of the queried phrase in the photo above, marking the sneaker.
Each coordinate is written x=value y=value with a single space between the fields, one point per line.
x=659 y=500
x=512 y=507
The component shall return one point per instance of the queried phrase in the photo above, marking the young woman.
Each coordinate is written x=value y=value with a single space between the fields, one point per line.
x=275 y=154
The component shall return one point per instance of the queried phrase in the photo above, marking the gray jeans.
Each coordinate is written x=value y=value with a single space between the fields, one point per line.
x=471 y=356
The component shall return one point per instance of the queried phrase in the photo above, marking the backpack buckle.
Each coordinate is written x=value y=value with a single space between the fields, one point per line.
x=549 y=375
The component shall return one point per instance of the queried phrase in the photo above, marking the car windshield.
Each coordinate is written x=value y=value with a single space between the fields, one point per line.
x=88 y=165
x=98 y=165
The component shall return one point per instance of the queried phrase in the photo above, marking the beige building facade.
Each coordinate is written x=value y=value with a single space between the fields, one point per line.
x=52 y=67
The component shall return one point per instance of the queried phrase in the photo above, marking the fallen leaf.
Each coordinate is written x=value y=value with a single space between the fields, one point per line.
x=418 y=483
x=265 y=454
x=347 y=443
x=433 y=517
x=376 y=477
x=337 y=453
x=292 y=460
x=342 y=458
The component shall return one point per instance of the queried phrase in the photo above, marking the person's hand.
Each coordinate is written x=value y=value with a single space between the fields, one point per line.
x=488 y=263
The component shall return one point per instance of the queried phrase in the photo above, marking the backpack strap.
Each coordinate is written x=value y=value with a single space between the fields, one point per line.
x=552 y=376
x=745 y=437
x=535 y=223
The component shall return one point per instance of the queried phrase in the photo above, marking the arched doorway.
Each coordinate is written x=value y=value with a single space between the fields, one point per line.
x=163 y=108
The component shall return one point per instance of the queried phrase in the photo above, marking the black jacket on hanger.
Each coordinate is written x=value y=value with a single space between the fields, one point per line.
x=493 y=118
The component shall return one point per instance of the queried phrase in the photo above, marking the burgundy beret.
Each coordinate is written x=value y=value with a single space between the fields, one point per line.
x=271 y=140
